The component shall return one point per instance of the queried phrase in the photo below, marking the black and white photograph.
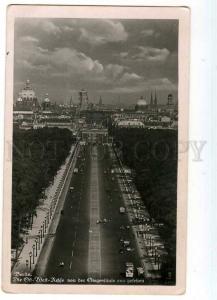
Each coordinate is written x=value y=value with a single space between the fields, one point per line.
x=96 y=124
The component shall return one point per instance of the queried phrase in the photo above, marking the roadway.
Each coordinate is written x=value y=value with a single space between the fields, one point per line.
x=86 y=248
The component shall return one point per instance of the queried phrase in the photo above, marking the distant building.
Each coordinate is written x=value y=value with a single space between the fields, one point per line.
x=83 y=100
x=170 y=100
x=100 y=101
x=141 y=105
x=46 y=104
x=165 y=120
x=130 y=124
x=27 y=100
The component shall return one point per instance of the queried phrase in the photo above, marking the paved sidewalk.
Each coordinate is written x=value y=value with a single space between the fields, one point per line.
x=41 y=222
x=149 y=239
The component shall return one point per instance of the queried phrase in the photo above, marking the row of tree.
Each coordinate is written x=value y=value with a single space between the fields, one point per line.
x=152 y=154
x=37 y=155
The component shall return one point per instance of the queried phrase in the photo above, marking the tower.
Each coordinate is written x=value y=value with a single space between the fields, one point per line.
x=170 y=100
x=100 y=101
x=151 y=101
x=83 y=100
x=155 y=99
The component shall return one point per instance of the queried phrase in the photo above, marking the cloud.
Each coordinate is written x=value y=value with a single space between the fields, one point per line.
x=49 y=27
x=130 y=77
x=152 y=54
x=147 y=32
x=161 y=84
x=30 y=39
x=114 y=70
x=123 y=54
x=97 y=33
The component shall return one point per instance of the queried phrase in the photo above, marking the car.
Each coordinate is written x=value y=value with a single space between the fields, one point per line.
x=121 y=251
x=71 y=188
x=129 y=249
x=61 y=264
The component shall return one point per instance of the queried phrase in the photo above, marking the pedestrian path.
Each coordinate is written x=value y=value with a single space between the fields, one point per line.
x=147 y=239
x=41 y=222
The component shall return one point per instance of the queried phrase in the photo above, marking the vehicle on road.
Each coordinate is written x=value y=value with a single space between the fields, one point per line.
x=122 y=210
x=140 y=271
x=62 y=212
x=71 y=188
x=125 y=243
x=75 y=170
x=129 y=271
x=129 y=249
x=61 y=264
x=102 y=221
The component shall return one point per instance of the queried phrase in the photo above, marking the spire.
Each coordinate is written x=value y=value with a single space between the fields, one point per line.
x=151 y=101
x=155 y=98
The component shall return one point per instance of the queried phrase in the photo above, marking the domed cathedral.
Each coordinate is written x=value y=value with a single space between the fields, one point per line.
x=141 y=105
x=27 y=100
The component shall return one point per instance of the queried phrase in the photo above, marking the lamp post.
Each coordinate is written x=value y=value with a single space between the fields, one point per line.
x=39 y=242
x=150 y=242
x=44 y=225
x=158 y=262
x=36 y=247
x=33 y=254
x=30 y=260
x=155 y=255
x=51 y=212
x=42 y=229
x=40 y=235
x=48 y=217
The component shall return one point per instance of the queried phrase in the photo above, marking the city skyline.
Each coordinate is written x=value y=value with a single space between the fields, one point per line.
x=119 y=60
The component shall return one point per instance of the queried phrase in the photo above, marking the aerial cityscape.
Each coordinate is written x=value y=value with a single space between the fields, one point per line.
x=94 y=180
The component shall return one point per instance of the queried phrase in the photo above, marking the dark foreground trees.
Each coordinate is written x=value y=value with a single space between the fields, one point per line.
x=37 y=155
x=152 y=154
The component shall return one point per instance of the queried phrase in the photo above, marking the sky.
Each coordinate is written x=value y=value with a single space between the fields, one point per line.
x=119 y=60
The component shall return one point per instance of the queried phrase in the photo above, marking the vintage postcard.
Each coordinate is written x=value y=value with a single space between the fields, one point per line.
x=95 y=174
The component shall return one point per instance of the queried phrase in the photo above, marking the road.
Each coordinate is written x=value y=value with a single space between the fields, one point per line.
x=88 y=249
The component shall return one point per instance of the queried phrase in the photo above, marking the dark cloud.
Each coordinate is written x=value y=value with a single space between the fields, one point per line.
x=112 y=57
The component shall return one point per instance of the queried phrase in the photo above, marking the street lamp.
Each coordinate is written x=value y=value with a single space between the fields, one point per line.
x=33 y=254
x=158 y=262
x=36 y=247
x=40 y=235
x=42 y=229
x=44 y=225
x=155 y=255
x=39 y=241
x=48 y=216
x=150 y=242
x=30 y=260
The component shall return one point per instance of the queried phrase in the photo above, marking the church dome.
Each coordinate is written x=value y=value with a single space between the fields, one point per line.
x=141 y=105
x=47 y=100
x=141 y=102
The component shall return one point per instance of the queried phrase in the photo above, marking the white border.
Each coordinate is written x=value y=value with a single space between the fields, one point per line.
x=201 y=268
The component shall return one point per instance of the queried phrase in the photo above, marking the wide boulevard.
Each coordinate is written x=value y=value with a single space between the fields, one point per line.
x=87 y=241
